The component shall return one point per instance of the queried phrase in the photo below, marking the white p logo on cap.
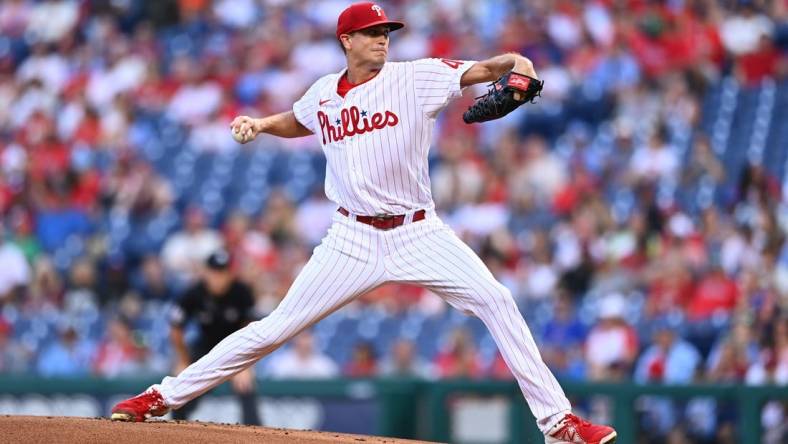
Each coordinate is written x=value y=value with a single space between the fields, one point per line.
x=378 y=10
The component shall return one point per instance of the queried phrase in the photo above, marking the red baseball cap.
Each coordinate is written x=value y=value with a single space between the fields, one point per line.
x=363 y=15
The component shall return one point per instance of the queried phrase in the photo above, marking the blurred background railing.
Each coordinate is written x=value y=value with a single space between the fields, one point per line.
x=460 y=411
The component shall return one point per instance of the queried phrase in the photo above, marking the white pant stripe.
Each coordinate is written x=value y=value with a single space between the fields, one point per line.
x=355 y=258
x=470 y=286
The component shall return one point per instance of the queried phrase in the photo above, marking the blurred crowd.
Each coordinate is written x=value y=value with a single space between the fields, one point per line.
x=634 y=246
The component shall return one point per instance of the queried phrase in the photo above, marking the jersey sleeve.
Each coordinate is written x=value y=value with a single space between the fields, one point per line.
x=437 y=82
x=305 y=109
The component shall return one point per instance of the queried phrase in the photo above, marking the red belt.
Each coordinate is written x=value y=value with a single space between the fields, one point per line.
x=385 y=222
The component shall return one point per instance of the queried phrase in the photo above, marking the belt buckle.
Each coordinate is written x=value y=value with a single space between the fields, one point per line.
x=382 y=221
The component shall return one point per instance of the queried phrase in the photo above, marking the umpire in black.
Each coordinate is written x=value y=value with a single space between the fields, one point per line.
x=220 y=304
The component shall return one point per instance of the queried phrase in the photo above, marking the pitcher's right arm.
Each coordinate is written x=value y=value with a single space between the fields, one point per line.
x=282 y=125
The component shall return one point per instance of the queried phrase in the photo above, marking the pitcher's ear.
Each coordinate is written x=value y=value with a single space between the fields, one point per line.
x=344 y=42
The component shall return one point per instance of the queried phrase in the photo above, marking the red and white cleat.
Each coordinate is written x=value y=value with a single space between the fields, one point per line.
x=574 y=430
x=141 y=407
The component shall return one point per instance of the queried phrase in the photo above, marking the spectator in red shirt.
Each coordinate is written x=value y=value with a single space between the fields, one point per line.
x=765 y=62
x=716 y=293
x=48 y=157
x=363 y=363
x=498 y=369
x=670 y=290
x=460 y=359
x=119 y=354
x=612 y=344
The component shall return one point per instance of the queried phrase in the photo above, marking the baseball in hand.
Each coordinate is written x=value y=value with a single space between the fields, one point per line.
x=238 y=136
x=243 y=129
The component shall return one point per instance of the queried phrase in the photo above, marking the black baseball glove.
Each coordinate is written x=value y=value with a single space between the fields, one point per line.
x=506 y=94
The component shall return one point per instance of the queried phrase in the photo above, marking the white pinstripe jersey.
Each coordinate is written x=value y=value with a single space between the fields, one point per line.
x=377 y=137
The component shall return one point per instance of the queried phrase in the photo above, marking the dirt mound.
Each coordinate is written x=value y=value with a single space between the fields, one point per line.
x=48 y=429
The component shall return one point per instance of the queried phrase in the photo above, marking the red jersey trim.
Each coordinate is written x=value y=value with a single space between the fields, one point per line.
x=344 y=84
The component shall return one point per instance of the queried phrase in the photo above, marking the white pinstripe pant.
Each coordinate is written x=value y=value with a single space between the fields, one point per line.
x=354 y=258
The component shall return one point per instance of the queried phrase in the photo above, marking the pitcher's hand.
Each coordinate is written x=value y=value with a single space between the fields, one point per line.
x=244 y=128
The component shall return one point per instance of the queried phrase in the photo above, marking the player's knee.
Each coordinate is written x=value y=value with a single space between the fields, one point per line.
x=274 y=330
x=501 y=296
x=492 y=295
x=266 y=332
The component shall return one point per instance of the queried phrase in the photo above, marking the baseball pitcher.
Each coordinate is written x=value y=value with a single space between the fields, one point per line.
x=374 y=121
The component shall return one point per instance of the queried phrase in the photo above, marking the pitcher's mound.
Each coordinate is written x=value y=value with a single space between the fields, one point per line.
x=49 y=429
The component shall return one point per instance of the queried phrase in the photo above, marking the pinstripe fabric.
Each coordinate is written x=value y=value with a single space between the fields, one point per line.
x=355 y=258
x=381 y=169
x=431 y=255
x=346 y=264
x=376 y=141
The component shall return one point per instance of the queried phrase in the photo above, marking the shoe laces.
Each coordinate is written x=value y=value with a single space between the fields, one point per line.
x=155 y=397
